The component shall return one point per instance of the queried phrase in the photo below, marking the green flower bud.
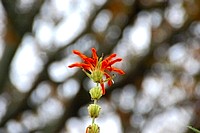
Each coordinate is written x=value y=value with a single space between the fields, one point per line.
x=94 y=128
x=95 y=93
x=97 y=76
x=94 y=110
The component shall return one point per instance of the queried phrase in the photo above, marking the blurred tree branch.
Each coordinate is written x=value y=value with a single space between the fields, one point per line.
x=18 y=24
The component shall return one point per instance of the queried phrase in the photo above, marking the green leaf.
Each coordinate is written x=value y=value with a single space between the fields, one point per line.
x=193 y=129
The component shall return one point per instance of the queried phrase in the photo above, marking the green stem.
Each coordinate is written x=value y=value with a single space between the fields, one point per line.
x=95 y=102
x=93 y=119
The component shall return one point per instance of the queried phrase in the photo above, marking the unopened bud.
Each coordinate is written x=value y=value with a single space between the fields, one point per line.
x=97 y=76
x=94 y=110
x=94 y=128
x=95 y=93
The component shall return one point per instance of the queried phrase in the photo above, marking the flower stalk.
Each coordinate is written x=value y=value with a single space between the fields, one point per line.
x=94 y=109
x=98 y=70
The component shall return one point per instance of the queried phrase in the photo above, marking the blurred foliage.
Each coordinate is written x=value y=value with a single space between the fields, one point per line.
x=159 y=41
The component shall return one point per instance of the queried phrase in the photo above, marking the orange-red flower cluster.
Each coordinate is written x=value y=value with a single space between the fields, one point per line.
x=96 y=68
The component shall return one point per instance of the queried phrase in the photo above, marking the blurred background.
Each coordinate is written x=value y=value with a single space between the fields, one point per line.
x=159 y=41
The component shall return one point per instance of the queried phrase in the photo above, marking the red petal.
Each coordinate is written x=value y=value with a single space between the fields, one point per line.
x=82 y=56
x=104 y=64
x=114 y=61
x=94 y=56
x=110 y=82
x=110 y=57
x=103 y=88
x=81 y=65
x=87 y=67
x=75 y=65
x=87 y=130
x=89 y=61
x=117 y=70
x=109 y=78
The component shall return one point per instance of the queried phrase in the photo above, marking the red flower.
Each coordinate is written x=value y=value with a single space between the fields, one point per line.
x=96 y=68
